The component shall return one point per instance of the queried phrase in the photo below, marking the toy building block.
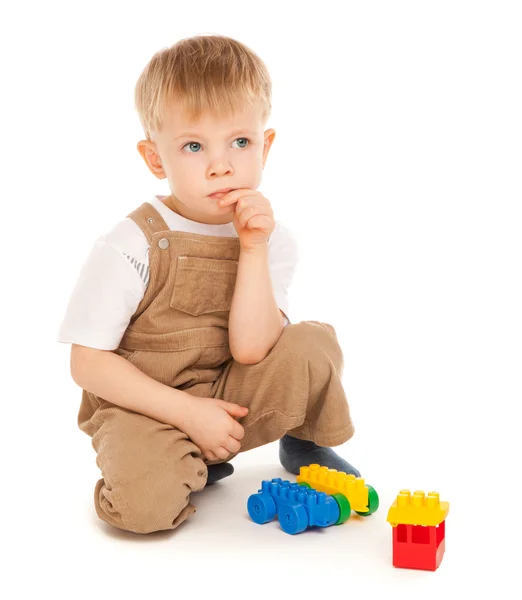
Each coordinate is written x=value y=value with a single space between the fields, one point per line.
x=419 y=524
x=297 y=506
x=360 y=497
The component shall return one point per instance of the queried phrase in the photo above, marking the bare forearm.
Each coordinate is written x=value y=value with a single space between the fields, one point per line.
x=255 y=322
x=115 y=379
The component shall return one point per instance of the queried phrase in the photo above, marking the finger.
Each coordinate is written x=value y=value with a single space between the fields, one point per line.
x=209 y=455
x=235 y=410
x=261 y=222
x=237 y=431
x=246 y=214
x=246 y=198
x=260 y=203
x=234 y=196
x=252 y=200
x=222 y=452
x=232 y=445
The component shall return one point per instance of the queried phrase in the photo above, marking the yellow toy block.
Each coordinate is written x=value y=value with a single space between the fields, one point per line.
x=417 y=509
x=331 y=481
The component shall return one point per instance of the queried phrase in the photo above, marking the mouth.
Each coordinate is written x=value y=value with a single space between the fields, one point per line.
x=220 y=193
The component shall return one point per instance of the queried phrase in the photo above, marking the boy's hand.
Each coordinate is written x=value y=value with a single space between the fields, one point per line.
x=254 y=219
x=211 y=424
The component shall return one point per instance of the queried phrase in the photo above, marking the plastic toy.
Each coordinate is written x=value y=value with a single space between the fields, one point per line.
x=418 y=523
x=321 y=497
x=297 y=506
x=351 y=492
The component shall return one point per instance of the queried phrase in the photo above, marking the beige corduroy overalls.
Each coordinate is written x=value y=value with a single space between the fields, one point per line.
x=179 y=336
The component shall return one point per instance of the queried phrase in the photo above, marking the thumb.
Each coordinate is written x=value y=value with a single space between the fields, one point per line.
x=234 y=410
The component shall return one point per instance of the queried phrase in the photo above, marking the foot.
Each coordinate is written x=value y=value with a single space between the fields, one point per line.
x=219 y=471
x=295 y=453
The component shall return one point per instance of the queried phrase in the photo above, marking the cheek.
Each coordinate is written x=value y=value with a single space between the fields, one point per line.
x=253 y=167
x=183 y=170
x=253 y=161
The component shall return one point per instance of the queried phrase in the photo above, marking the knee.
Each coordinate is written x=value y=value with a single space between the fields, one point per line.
x=314 y=341
x=144 y=506
x=150 y=513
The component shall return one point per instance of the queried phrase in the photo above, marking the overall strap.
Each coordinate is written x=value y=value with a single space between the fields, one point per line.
x=148 y=219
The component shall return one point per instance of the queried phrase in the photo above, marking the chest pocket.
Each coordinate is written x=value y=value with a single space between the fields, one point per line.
x=203 y=285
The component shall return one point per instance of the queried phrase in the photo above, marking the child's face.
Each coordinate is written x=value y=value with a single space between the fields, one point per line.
x=200 y=158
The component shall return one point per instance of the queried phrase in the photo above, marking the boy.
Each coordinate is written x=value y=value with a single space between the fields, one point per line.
x=178 y=323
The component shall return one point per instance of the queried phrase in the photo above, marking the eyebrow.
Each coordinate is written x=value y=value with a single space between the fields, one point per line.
x=194 y=134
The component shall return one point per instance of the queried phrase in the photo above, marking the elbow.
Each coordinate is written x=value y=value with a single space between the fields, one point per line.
x=254 y=358
x=251 y=361
x=246 y=359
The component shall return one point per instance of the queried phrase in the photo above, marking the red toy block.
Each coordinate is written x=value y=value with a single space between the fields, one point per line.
x=418 y=546
x=419 y=530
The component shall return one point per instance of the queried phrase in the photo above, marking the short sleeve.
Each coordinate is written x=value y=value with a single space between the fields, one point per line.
x=104 y=299
x=284 y=258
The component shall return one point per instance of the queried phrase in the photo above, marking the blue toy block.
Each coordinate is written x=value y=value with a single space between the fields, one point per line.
x=297 y=507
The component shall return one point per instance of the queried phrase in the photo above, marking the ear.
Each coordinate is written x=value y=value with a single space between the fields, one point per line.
x=269 y=139
x=148 y=152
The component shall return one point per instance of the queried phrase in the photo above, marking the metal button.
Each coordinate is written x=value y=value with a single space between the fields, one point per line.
x=150 y=220
x=163 y=243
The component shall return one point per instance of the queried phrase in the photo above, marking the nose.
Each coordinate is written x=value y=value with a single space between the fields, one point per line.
x=219 y=167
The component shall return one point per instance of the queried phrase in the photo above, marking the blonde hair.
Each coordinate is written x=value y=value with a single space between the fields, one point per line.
x=204 y=73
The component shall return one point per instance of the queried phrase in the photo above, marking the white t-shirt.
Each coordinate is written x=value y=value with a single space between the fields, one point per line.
x=115 y=275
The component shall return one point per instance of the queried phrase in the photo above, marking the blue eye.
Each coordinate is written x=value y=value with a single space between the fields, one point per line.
x=245 y=141
x=192 y=144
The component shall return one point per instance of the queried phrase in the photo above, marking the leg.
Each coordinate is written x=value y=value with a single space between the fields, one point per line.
x=296 y=389
x=149 y=470
x=295 y=453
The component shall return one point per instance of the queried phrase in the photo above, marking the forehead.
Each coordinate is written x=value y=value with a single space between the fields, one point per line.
x=245 y=117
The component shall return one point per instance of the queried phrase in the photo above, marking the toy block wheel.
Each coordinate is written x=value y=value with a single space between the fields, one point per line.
x=293 y=518
x=261 y=508
x=345 y=510
x=373 y=502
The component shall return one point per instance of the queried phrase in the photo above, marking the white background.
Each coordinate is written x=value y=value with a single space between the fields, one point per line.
x=397 y=163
